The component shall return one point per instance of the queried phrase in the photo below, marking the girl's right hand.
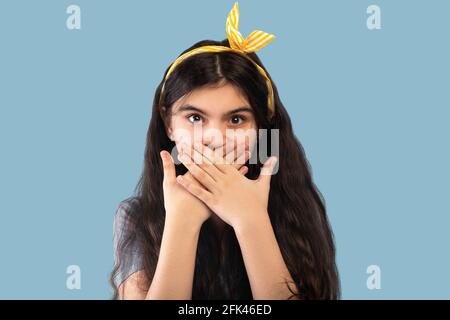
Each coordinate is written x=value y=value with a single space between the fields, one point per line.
x=181 y=206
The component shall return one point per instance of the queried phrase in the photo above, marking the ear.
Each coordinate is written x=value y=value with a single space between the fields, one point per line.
x=170 y=134
x=169 y=130
x=167 y=124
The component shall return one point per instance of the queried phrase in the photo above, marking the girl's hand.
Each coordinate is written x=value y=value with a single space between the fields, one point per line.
x=236 y=199
x=180 y=205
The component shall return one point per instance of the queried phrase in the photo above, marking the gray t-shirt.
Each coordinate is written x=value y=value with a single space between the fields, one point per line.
x=132 y=255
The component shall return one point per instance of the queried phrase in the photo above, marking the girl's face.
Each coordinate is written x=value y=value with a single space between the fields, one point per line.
x=214 y=116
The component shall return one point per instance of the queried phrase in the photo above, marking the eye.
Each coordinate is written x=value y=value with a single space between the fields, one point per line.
x=237 y=119
x=194 y=118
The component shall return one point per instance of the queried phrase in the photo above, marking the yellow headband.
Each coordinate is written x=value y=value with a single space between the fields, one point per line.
x=255 y=41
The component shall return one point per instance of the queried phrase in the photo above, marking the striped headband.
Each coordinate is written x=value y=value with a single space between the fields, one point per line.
x=255 y=41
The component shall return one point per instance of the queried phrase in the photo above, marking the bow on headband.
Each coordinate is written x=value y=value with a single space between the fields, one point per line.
x=255 y=41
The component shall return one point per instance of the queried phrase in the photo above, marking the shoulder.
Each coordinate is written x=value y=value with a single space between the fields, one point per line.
x=125 y=220
x=128 y=250
x=126 y=213
x=128 y=207
x=126 y=237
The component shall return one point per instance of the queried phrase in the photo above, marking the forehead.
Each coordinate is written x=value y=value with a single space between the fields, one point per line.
x=214 y=100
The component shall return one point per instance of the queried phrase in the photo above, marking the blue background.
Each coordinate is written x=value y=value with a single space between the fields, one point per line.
x=371 y=109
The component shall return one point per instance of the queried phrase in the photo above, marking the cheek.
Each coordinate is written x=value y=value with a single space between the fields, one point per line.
x=249 y=135
x=182 y=131
x=185 y=137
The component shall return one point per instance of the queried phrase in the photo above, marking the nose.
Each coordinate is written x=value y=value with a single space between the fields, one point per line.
x=214 y=136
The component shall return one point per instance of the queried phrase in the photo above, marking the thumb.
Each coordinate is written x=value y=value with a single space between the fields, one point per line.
x=168 y=166
x=267 y=171
x=243 y=170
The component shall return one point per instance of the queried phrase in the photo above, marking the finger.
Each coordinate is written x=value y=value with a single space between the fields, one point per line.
x=242 y=159
x=206 y=151
x=236 y=157
x=243 y=170
x=217 y=156
x=201 y=175
x=267 y=171
x=234 y=150
x=198 y=151
x=168 y=166
x=213 y=156
x=190 y=178
x=194 y=189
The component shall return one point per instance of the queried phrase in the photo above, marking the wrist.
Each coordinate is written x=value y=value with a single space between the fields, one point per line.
x=251 y=224
x=183 y=225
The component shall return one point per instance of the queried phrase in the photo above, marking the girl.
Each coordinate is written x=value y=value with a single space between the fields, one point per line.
x=219 y=228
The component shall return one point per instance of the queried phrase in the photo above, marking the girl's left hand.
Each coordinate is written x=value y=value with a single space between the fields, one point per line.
x=236 y=199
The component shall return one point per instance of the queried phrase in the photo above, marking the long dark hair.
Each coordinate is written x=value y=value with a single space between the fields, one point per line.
x=296 y=207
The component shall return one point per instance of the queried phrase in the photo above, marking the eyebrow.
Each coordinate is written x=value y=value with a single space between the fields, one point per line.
x=189 y=107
